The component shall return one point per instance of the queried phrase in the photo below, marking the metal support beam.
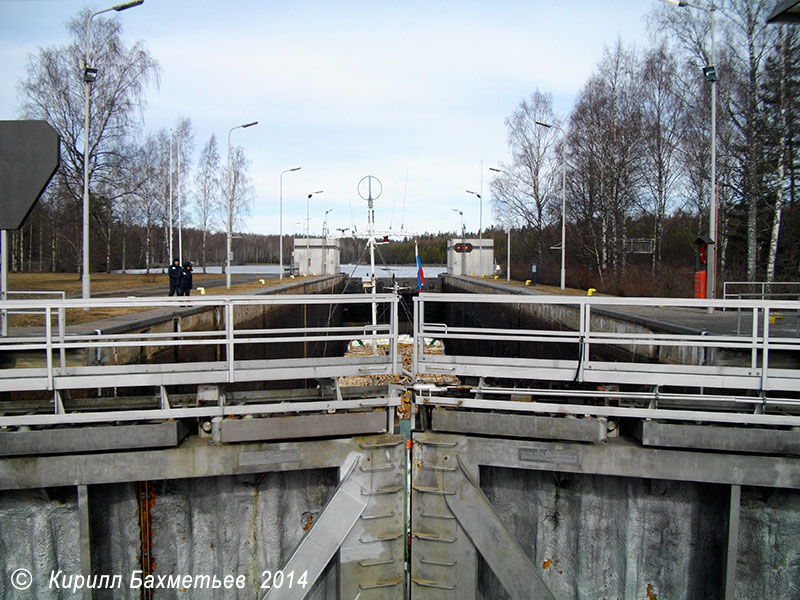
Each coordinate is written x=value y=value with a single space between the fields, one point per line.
x=324 y=538
x=84 y=539
x=444 y=562
x=303 y=426
x=726 y=439
x=371 y=556
x=500 y=550
x=522 y=426
x=729 y=592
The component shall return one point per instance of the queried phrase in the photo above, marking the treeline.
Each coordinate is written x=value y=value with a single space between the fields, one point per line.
x=634 y=156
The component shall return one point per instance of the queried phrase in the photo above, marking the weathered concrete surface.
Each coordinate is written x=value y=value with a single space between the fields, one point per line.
x=768 y=564
x=231 y=525
x=40 y=534
x=242 y=525
x=610 y=537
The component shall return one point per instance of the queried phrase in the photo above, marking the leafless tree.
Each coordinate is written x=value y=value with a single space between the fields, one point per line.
x=525 y=187
x=53 y=90
x=208 y=200
x=662 y=123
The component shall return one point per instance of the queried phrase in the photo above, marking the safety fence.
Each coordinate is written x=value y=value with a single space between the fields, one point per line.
x=206 y=343
x=607 y=356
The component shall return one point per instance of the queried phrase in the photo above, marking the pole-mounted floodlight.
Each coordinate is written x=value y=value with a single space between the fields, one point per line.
x=230 y=206
x=280 y=220
x=563 y=202
x=308 y=230
x=508 y=231
x=480 y=209
x=89 y=76
x=710 y=75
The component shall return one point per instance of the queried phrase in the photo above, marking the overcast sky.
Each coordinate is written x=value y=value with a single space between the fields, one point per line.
x=414 y=92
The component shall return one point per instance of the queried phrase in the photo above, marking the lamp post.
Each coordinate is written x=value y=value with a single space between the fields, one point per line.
x=308 y=229
x=463 y=241
x=480 y=210
x=508 y=231
x=89 y=75
x=230 y=206
x=563 y=201
x=710 y=74
x=280 y=221
x=325 y=242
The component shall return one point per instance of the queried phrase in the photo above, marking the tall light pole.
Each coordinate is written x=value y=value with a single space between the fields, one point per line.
x=230 y=207
x=480 y=206
x=563 y=201
x=325 y=242
x=463 y=241
x=508 y=231
x=308 y=229
x=89 y=75
x=710 y=74
x=280 y=233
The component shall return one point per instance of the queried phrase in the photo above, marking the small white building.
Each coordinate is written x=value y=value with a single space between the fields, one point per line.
x=470 y=257
x=315 y=256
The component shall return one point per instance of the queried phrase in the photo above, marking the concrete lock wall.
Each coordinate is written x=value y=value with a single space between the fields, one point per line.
x=601 y=537
x=239 y=525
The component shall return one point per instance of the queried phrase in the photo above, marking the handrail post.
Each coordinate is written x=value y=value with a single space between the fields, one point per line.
x=395 y=337
x=48 y=334
x=754 y=341
x=765 y=351
x=417 y=329
x=229 y=324
x=585 y=326
x=62 y=353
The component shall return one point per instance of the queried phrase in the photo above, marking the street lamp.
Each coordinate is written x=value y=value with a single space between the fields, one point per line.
x=325 y=223
x=280 y=233
x=710 y=74
x=508 y=231
x=563 y=201
x=308 y=229
x=463 y=241
x=89 y=75
x=325 y=242
x=480 y=210
x=230 y=206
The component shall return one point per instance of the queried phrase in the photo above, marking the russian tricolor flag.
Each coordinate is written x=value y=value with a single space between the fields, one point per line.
x=420 y=274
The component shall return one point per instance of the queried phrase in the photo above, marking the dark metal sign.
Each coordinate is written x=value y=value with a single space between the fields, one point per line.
x=29 y=157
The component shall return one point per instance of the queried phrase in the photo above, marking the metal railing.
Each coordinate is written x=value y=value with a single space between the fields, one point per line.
x=27 y=294
x=188 y=342
x=611 y=350
x=761 y=290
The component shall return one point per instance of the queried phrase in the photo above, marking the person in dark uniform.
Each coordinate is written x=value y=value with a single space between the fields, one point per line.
x=186 y=279
x=174 y=277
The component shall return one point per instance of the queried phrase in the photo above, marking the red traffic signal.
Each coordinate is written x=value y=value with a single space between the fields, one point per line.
x=459 y=247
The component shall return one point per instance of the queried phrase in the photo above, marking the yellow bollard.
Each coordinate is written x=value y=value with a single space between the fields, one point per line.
x=202 y=291
x=496 y=277
x=590 y=291
x=262 y=281
x=527 y=282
